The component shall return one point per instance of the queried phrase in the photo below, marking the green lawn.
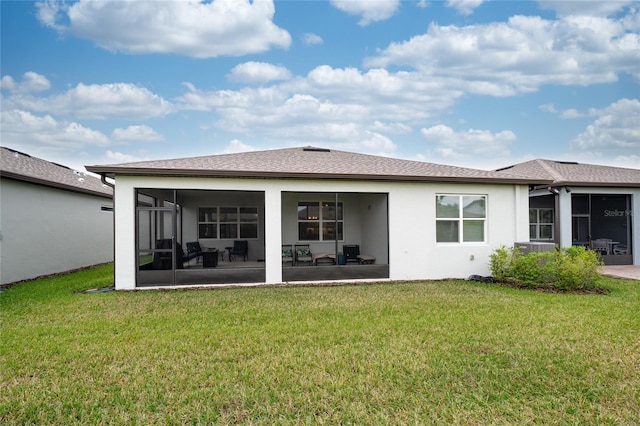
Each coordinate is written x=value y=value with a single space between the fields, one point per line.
x=446 y=352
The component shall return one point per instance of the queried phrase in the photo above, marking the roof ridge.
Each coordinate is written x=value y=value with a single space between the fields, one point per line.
x=554 y=174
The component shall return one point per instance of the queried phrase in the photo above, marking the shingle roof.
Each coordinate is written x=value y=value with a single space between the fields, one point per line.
x=20 y=166
x=569 y=173
x=308 y=163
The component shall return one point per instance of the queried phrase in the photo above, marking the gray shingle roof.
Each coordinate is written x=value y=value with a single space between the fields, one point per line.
x=20 y=166
x=569 y=173
x=308 y=163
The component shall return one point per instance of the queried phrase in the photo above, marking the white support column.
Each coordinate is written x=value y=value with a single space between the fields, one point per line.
x=125 y=230
x=564 y=206
x=273 y=235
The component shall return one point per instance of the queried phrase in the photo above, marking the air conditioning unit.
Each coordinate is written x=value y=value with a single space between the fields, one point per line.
x=535 y=247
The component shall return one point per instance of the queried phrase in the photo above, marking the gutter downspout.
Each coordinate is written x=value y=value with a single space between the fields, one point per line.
x=556 y=214
x=336 y=229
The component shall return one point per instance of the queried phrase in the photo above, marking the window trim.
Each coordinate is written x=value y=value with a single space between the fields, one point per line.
x=238 y=222
x=460 y=219
x=320 y=221
x=537 y=224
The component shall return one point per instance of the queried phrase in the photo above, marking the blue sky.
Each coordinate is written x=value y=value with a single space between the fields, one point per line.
x=474 y=83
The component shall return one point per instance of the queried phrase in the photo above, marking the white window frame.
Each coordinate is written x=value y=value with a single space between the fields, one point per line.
x=538 y=223
x=320 y=221
x=460 y=219
x=238 y=222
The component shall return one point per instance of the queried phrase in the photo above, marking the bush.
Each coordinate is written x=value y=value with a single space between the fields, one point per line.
x=501 y=263
x=569 y=269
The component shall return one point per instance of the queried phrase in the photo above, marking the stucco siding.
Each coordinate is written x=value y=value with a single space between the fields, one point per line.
x=47 y=230
x=409 y=208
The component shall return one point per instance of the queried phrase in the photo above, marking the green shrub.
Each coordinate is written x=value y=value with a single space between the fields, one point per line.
x=577 y=269
x=569 y=269
x=501 y=263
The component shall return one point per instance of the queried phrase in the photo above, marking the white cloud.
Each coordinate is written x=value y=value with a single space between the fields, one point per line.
x=190 y=28
x=140 y=133
x=464 y=7
x=311 y=39
x=520 y=55
x=585 y=7
x=617 y=128
x=369 y=11
x=258 y=72
x=44 y=137
x=22 y=127
x=571 y=113
x=548 y=108
x=565 y=114
x=237 y=145
x=448 y=143
x=97 y=101
x=31 y=82
x=115 y=157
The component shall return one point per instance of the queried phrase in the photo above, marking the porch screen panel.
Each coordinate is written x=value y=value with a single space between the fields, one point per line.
x=248 y=222
x=208 y=222
x=228 y=222
x=317 y=221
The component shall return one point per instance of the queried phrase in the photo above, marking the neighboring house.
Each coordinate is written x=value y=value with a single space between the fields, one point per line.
x=411 y=220
x=52 y=219
x=589 y=205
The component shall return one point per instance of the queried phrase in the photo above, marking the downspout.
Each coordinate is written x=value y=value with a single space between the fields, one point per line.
x=556 y=214
x=335 y=217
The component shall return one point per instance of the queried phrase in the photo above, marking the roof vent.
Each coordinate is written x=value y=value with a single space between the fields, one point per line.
x=567 y=162
x=504 y=168
x=314 y=149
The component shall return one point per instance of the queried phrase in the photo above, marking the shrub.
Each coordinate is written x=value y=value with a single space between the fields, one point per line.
x=501 y=263
x=577 y=269
x=569 y=269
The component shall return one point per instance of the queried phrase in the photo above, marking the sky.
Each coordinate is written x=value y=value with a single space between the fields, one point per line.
x=473 y=83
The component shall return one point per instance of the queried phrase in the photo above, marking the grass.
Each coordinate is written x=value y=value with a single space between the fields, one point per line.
x=451 y=352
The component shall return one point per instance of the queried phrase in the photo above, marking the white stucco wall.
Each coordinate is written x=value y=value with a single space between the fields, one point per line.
x=46 y=230
x=413 y=251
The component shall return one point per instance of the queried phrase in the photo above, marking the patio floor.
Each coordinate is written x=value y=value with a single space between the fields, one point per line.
x=628 y=272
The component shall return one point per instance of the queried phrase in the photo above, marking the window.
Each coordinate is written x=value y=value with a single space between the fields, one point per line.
x=228 y=222
x=541 y=224
x=317 y=221
x=461 y=218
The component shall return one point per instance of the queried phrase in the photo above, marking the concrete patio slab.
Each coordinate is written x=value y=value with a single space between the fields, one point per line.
x=627 y=272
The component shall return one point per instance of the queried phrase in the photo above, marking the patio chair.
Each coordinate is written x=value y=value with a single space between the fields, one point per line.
x=240 y=248
x=193 y=251
x=620 y=249
x=601 y=245
x=303 y=254
x=351 y=252
x=287 y=254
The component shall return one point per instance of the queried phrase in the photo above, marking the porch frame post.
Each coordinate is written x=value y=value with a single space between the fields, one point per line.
x=273 y=235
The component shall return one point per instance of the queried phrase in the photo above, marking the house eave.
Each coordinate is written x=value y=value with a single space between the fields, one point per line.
x=50 y=184
x=561 y=184
x=251 y=174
